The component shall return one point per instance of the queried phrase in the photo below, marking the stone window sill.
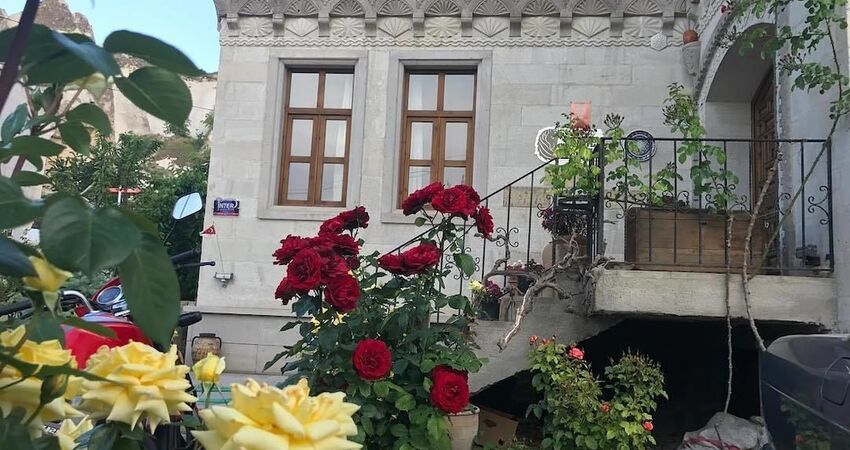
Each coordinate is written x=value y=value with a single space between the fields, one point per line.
x=306 y=213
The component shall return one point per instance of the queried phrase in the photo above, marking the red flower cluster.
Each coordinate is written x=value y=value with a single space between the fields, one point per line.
x=648 y=426
x=575 y=353
x=411 y=262
x=372 y=359
x=460 y=200
x=346 y=221
x=450 y=391
x=323 y=260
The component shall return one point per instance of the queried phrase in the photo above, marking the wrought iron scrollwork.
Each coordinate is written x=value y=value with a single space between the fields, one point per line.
x=819 y=205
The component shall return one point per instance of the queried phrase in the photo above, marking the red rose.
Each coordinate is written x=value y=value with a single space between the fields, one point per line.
x=333 y=266
x=605 y=407
x=575 y=353
x=352 y=262
x=305 y=270
x=342 y=293
x=285 y=291
x=417 y=200
x=450 y=392
x=342 y=244
x=471 y=193
x=483 y=221
x=372 y=359
x=289 y=247
x=443 y=369
x=648 y=426
x=355 y=218
x=392 y=263
x=455 y=200
x=532 y=340
x=334 y=225
x=420 y=258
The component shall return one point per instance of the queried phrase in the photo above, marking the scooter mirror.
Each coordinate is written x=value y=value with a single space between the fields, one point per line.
x=187 y=205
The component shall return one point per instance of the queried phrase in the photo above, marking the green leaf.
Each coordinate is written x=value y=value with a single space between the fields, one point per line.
x=152 y=50
x=151 y=288
x=290 y=325
x=13 y=433
x=328 y=338
x=465 y=263
x=34 y=145
x=96 y=57
x=419 y=221
x=103 y=437
x=365 y=389
x=457 y=301
x=78 y=238
x=158 y=92
x=13 y=262
x=91 y=114
x=381 y=388
x=14 y=123
x=76 y=322
x=16 y=208
x=76 y=136
x=405 y=402
x=44 y=327
x=398 y=430
x=27 y=178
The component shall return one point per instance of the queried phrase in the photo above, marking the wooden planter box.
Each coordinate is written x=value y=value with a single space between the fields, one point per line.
x=667 y=239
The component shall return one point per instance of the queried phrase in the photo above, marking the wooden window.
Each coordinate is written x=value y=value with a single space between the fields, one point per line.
x=317 y=138
x=438 y=121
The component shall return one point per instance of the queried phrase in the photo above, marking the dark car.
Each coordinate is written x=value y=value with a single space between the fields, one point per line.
x=805 y=384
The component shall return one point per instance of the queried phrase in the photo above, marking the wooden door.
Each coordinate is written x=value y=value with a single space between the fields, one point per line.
x=764 y=154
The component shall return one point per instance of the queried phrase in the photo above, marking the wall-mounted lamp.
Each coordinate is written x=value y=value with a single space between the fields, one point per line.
x=224 y=277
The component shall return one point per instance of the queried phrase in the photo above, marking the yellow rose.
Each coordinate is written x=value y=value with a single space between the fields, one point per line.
x=263 y=417
x=143 y=384
x=49 y=278
x=476 y=286
x=25 y=394
x=69 y=432
x=209 y=369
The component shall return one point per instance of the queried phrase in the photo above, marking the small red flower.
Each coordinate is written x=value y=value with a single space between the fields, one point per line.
x=648 y=426
x=285 y=291
x=342 y=244
x=334 y=266
x=544 y=342
x=305 y=270
x=532 y=340
x=455 y=200
x=372 y=359
x=470 y=192
x=354 y=219
x=605 y=407
x=392 y=263
x=799 y=439
x=290 y=245
x=334 y=225
x=420 y=258
x=483 y=221
x=417 y=200
x=343 y=292
x=443 y=369
x=450 y=392
x=575 y=353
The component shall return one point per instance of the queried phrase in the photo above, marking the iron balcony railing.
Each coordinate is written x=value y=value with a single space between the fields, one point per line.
x=674 y=225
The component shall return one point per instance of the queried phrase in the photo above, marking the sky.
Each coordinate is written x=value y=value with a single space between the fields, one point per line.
x=189 y=25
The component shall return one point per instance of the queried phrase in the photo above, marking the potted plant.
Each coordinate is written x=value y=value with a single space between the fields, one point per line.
x=372 y=337
x=564 y=225
x=485 y=296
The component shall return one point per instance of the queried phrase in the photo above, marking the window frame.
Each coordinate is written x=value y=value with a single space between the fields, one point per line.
x=317 y=159
x=439 y=118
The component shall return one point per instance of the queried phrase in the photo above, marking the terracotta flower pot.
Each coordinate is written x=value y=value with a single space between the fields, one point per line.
x=463 y=428
x=690 y=36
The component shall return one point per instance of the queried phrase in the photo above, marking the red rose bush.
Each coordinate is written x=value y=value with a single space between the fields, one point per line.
x=370 y=333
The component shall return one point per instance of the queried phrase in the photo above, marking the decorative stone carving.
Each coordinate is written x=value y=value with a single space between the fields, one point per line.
x=658 y=41
x=641 y=26
x=301 y=27
x=690 y=57
x=347 y=8
x=590 y=26
x=443 y=8
x=491 y=8
x=301 y=8
x=540 y=8
x=591 y=8
x=491 y=26
x=395 y=26
x=347 y=26
x=540 y=26
x=256 y=8
x=442 y=27
x=395 y=8
x=643 y=8
x=256 y=26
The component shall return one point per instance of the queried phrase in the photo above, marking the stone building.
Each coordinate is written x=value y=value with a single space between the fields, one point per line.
x=323 y=106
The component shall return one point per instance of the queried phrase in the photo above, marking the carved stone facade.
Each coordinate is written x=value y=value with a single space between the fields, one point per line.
x=451 y=23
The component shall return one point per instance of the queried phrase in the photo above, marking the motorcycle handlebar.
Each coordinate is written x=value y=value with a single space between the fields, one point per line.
x=189 y=318
x=197 y=264
x=16 y=307
x=185 y=256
